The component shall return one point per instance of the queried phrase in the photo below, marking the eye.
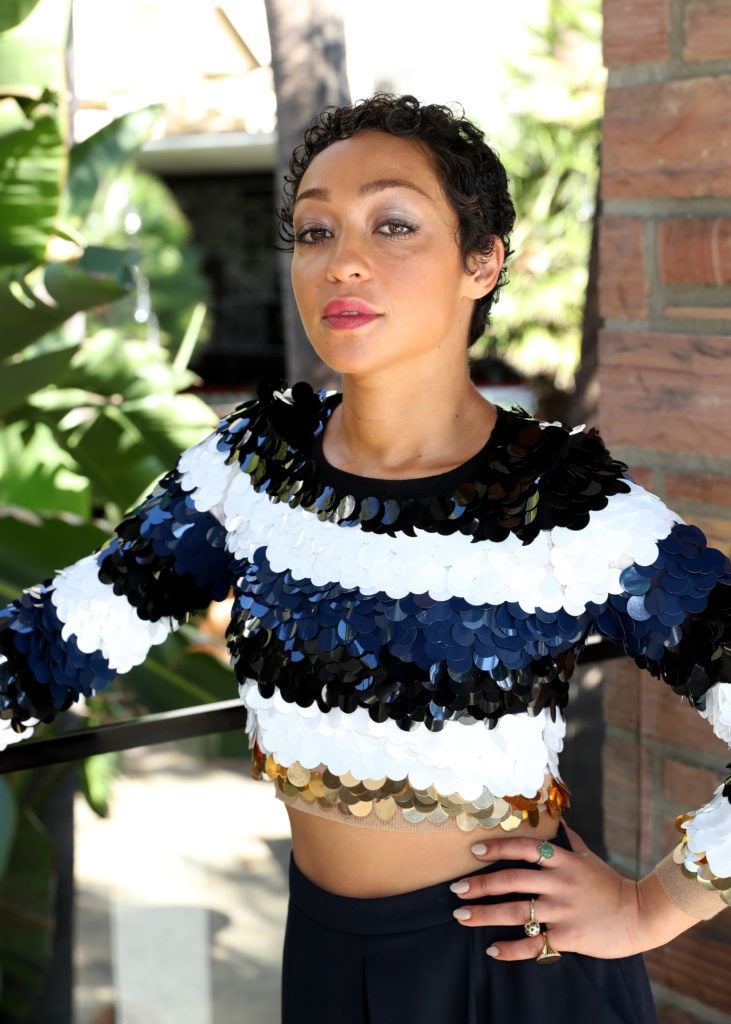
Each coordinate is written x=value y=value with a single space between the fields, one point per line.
x=396 y=228
x=311 y=236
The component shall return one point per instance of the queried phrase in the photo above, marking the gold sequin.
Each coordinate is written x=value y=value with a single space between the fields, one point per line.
x=386 y=798
x=361 y=808
x=298 y=775
x=316 y=786
x=372 y=784
x=412 y=815
x=466 y=822
x=703 y=875
x=330 y=781
x=385 y=808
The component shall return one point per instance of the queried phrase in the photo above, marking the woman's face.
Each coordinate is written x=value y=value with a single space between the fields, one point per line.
x=377 y=271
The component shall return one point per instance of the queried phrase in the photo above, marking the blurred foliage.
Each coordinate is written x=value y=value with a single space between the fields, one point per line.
x=12 y=12
x=102 y=304
x=26 y=892
x=112 y=203
x=32 y=34
x=550 y=148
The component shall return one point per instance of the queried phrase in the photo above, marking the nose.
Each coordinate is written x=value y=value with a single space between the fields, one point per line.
x=347 y=259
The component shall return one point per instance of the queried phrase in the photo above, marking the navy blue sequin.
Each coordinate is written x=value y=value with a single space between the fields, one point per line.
x=168 y=558
x=40 y=672
x=414 y=657
x=674 y=616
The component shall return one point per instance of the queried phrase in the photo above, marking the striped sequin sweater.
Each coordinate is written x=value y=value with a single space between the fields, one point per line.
x=403 y=647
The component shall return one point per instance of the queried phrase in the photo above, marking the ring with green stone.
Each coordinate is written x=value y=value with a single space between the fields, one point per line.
x=545 y=850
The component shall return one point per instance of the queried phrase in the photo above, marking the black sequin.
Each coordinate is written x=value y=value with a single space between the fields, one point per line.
x=526 y=478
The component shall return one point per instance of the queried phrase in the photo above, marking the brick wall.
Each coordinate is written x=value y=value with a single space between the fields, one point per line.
x=665 y=378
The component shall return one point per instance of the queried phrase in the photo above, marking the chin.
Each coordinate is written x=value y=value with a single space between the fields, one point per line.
x=352 y=357
x=344 y=364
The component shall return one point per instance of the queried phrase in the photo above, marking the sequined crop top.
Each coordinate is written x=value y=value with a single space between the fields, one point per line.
x=403 y=647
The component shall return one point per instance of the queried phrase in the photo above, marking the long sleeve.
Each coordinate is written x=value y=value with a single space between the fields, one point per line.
x=99 y=617
x=671 y=612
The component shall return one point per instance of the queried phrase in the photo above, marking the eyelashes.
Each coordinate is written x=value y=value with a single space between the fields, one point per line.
x=397 y=229
x=306 y=236
x=409 y=229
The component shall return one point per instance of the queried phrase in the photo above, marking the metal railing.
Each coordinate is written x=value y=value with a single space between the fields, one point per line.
x=184 y=723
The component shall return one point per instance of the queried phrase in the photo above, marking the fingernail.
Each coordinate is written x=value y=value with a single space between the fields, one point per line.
x=459 y=886
x=479 y=848
x=492 y=951
x=462 y=913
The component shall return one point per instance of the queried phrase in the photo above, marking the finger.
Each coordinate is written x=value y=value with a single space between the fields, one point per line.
x=577 y=843
x=516 y=912
x=521 y=848
x=520 y=949
x=508 y=880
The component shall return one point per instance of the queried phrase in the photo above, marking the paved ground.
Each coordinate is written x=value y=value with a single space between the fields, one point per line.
x=181 y=896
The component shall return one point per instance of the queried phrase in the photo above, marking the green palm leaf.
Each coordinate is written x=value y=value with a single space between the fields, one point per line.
x=36 y=300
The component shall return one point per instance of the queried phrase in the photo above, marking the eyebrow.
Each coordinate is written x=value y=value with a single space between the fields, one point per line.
x=366 y=189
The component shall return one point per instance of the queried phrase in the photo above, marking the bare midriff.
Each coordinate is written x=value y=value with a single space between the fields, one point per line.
x=370 y=863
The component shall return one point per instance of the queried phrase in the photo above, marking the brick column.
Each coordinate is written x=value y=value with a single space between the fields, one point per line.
x=665 y=408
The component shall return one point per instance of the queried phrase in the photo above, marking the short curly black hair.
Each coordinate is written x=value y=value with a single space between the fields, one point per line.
x=471 y=174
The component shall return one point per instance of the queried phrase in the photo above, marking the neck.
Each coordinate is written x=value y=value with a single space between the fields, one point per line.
x=391 y=424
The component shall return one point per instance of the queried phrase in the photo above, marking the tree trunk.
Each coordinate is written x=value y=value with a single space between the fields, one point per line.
x=308 y=61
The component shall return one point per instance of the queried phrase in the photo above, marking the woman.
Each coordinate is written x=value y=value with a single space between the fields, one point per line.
x=415 y=571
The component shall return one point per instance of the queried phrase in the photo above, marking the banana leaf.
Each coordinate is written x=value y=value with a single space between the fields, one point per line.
x=37 y=474
x=95 y=163
x=19 y=378
x=32 y=164
x=36 y=300
x=113 y=453
x=167 y=259
x=124 y=448
x=109 y=365
x=34 y=547
x=12 y=12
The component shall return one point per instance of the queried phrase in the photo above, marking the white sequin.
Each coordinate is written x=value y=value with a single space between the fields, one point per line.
x=560 y=568
x=718 y=710
x=204 y=473
x=709 y=834
x=101 y=620
x=8 y=735
x=510 y=759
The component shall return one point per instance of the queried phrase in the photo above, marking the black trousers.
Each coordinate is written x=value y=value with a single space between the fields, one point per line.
x=404 y=959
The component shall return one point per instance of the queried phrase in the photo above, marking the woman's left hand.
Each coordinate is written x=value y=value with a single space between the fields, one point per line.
x=584 y=905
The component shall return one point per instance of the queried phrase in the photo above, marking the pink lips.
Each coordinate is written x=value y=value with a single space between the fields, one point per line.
x=348 y=314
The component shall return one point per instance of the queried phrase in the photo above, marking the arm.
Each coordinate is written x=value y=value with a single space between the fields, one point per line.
x=673 y=617
x=668 y=606
x=98 y=618
x=650 y=582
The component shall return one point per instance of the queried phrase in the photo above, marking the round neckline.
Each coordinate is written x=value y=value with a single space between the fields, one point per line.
x=402 y=487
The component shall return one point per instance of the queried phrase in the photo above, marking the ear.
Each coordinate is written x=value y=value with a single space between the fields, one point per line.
x=484 y=269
